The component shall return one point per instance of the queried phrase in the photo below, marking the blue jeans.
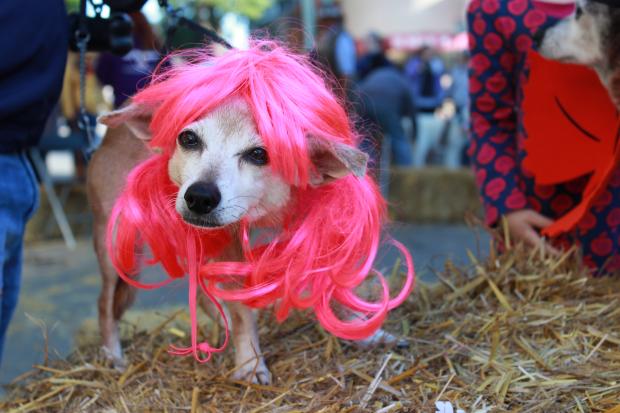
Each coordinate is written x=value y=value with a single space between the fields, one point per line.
x=19 y=196
x=390 y=123
x=402 y=151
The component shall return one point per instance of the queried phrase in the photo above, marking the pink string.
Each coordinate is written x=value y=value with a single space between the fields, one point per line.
x=204 y=347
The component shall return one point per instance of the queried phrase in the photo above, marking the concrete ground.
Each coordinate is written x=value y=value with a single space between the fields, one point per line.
x=60 y=289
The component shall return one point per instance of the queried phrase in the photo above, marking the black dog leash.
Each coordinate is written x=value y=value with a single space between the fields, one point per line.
x=177 y=20
x=82 y=37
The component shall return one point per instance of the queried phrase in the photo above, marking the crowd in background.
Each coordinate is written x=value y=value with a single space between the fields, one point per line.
x=411 y=107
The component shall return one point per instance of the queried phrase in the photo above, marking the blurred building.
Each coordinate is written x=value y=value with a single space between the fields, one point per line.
x=409 y=24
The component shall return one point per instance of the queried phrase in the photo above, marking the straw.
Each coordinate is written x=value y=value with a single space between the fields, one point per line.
x=517 y=333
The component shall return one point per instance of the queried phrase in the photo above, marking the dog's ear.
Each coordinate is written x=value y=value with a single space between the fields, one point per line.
x=334 y=160
x=135 y=116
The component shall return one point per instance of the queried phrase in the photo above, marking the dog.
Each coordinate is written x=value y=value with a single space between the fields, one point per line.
x=223 y=176
x=590 y=36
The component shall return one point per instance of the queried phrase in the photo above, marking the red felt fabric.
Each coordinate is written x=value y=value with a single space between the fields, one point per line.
x=573 y=130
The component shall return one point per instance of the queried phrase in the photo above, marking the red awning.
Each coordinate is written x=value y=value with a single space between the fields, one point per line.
x=443 y=42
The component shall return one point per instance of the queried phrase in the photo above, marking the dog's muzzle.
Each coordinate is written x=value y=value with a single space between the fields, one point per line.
x=202 y=197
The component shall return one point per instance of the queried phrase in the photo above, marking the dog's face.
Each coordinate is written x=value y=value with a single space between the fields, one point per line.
x=590 y=37
x=222 y=169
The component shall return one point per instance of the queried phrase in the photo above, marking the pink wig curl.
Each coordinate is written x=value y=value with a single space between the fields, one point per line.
x=329 y=234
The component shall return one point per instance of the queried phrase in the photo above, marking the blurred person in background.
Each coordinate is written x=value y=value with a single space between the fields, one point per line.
x=62 y=131
x=336 y=48
x=374 y=56
x=336 y=53
x=70 y=95
x=459 y=92
x=127 y=74
x=424 y=70
x=33 y=44
x=502 y=35
x=387 y=99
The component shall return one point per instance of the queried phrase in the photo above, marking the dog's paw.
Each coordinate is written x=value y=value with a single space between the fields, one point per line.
x=382 y=338
x=253 y=371
x=116 y=358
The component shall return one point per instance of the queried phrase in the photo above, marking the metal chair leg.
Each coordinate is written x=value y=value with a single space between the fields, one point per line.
x=55 y=204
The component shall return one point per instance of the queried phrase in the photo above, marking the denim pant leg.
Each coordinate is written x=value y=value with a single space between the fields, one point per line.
x=402 y=150
x=11 y=281
x=18 y=201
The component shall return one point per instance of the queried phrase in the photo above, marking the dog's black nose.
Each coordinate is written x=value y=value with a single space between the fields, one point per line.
x=202 y=197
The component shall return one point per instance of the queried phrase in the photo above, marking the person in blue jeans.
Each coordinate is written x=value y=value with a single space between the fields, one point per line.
x=33 y=46
x=424 y=71
x=387 y=99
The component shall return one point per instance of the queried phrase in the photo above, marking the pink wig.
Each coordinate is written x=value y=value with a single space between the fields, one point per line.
x=330 y=233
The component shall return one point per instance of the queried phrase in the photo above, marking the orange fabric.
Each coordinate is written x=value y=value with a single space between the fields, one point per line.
x=572 y=130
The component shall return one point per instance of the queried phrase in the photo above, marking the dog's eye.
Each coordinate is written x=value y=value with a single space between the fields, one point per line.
x=189 y=140
x=257 y=156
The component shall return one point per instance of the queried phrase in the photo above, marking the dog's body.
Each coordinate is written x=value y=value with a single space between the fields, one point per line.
x=120 y=151
x=591 y=36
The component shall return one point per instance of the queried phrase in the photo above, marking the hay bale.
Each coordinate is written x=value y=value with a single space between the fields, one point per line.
x=519 y=332
x=433 y=195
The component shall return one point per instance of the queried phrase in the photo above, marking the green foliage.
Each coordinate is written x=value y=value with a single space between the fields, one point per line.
x=72 y=5
x=253 y=9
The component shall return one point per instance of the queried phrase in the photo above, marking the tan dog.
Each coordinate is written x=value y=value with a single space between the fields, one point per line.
x=218 y=167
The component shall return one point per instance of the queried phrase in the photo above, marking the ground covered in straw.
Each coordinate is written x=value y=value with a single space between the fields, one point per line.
x=517 y=333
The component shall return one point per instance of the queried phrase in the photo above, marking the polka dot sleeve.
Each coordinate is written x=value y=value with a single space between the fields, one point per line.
x=493 y=84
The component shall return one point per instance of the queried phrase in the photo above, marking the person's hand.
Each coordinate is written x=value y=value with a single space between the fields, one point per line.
x=523 y=226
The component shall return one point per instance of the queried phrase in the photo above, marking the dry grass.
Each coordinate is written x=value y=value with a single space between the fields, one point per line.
x=518 y=333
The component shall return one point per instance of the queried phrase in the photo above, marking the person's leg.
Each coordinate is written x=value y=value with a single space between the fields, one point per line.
x=427 y=139
x=11 y=281
x=402 y=150
x=18 y=200
x=3 y=326
x=457 y=139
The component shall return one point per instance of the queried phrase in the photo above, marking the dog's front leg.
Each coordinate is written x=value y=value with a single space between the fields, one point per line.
x=249 y=361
